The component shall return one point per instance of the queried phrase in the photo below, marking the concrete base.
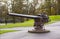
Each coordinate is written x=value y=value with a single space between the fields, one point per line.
x=38 y=31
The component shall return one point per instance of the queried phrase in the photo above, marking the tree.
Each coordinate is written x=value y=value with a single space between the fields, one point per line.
x=58 y=7
x=35 y=3
x=48 y=6
x=53 y=7
x=17 y=6
x=3 y=10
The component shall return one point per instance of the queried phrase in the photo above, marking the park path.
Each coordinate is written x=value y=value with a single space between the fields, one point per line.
x=23 y=34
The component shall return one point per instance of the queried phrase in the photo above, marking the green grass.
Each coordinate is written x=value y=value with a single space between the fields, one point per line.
x=25 y=24
x=6 y=31
x=29 y=23
x=54 y=18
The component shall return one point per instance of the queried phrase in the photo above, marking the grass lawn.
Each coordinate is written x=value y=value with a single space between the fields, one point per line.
x=29 y=23
x=11 y=25
x=6 y=31
x=54 y=18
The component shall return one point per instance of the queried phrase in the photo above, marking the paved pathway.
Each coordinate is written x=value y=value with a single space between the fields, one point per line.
x=54 y=34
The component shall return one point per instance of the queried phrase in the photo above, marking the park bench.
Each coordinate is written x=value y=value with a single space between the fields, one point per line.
x=39 y=21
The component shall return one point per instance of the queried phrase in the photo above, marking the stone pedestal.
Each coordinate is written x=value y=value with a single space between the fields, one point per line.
x=38 y=31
